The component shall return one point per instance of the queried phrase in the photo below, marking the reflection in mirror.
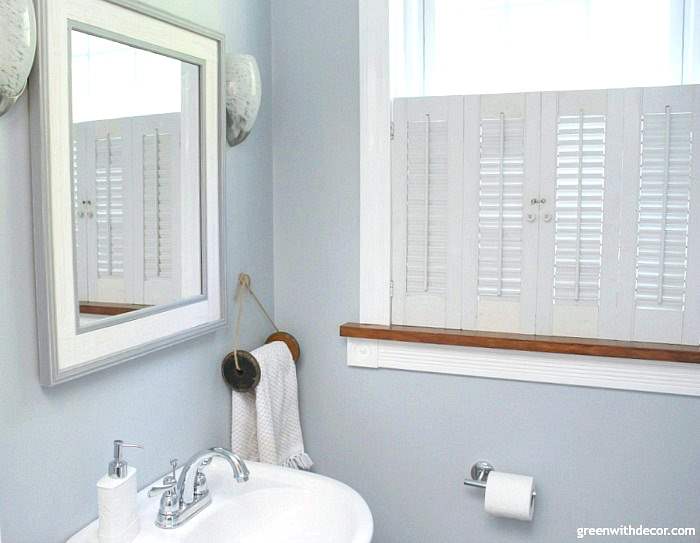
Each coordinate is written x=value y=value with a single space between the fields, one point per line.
x=136 y=178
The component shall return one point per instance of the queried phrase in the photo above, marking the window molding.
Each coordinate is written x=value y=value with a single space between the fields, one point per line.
x=589 y=371
x=375 y=266
x=375 y=160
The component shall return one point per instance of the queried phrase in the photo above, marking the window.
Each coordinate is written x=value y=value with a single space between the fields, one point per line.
x=498 y=203
x=506 y=205
x=444 y=47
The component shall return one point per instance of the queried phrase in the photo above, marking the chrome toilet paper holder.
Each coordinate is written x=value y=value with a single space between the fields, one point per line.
x=480 y=473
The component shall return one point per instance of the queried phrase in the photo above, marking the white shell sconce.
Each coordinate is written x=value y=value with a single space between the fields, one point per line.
x=17 y=48
x=243 y=95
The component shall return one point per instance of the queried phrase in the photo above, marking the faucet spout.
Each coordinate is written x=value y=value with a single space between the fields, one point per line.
x=188 y=475
x=238 y=466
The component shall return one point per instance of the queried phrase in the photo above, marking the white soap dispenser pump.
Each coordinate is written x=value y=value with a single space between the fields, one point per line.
x=116 y=499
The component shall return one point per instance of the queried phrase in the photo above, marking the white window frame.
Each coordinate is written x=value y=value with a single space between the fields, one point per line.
x=375 y=265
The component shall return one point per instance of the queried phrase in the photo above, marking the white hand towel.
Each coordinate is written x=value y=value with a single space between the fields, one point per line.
x=265 y=423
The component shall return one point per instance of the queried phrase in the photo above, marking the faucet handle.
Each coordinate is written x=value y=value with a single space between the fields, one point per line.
x=200 y=480
x=169 y=481
x=156 y=490
x=173 y=465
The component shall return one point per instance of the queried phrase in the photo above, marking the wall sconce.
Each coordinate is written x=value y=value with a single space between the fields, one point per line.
x=17 y=48
x=243 y=95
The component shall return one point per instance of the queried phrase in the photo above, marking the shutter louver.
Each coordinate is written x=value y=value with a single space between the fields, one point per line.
x=78 y=207
x=579 y=194
x=664 y=210
x=109 y=205
x=426 y=206
x=501 y=183
x=157 y=204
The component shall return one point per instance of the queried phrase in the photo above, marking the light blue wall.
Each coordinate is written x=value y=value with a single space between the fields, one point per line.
x=404 y=440
x=55 y=443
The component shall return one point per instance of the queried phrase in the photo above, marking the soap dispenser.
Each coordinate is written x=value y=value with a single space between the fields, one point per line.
x=116 y=499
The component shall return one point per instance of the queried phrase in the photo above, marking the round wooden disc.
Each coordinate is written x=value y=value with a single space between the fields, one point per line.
x=290 y=340
x=249 y=375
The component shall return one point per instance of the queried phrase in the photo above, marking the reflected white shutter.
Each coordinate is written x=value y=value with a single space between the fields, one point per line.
x=157 y=162
x=427 y=181
x=501 y=164
x=660 y=251
x=130 y=173
x=582 y=142
x=109 y=161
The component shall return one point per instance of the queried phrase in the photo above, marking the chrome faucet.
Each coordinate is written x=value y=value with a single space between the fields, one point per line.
x=184 y=497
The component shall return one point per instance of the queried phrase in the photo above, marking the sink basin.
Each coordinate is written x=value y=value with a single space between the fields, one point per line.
x=277 y=505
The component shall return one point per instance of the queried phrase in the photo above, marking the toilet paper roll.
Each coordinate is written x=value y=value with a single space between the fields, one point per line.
x=510 y=495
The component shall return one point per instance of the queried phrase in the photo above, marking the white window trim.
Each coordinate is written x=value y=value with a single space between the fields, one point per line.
x=578 y=370
x=375 y=266
x=375 y=162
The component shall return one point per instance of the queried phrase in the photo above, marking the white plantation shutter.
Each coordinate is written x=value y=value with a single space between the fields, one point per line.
x=158 y=163
x=427 y=183
x=660 y=251
x=501 y=162
x=109 y=161
x=566 y=214
x=582 y=141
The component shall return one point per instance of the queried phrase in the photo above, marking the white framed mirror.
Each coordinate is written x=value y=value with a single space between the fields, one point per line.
x=127 y=115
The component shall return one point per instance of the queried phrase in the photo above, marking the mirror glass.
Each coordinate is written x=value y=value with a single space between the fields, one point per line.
x=135 y=179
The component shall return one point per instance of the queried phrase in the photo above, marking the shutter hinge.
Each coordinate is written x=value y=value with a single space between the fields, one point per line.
x=391 y=289
x=391 y=130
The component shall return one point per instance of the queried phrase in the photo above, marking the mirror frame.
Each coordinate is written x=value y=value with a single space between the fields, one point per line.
x=66 y=350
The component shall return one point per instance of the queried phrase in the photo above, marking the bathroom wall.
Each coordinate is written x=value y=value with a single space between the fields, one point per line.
x=55 y=443
x=405 y=440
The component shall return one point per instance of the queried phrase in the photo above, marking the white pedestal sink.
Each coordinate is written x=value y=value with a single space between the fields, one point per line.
x=277 y=505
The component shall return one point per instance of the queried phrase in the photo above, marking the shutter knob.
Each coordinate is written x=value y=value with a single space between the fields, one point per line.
x=547 y=217
x=531 y=217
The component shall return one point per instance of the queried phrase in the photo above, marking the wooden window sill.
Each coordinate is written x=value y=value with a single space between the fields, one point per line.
x=522 y=342
x=108 y=309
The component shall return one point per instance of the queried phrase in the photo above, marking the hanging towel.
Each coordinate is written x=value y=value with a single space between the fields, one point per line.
x=265 y=422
